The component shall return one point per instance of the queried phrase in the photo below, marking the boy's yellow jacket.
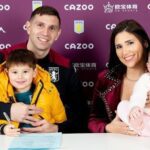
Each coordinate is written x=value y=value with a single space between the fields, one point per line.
x=45 y=96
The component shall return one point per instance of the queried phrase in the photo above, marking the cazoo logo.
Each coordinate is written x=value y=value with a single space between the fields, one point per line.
x=5 y=7
x=79 y=7
x=24 y=27
x=110 y=26
x=79 y=46
x=148 y=6
x=88 y=84
x=4 y=46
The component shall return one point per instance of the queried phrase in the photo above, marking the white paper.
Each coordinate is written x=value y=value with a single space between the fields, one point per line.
x=38 y=141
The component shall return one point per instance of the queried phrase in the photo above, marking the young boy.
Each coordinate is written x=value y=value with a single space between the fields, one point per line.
x=21 y=80
x=135 y=112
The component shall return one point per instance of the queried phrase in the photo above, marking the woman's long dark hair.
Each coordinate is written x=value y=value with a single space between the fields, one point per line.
x=133 y=27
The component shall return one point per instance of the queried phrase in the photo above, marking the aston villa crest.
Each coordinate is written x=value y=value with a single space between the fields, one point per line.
x=54 y=72
x=79 y=26
x=36 y=4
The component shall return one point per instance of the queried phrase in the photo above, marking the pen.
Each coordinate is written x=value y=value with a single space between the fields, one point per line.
x=7 y=117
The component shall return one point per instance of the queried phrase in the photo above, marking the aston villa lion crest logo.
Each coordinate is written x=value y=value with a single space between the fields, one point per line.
x=54 y=72
x=36 y=4
x=78 y=26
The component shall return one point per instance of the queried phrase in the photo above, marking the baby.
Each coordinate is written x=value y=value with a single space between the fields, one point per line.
x=135 y=112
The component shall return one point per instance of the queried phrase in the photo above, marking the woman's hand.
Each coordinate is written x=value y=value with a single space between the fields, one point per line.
x=117 y=126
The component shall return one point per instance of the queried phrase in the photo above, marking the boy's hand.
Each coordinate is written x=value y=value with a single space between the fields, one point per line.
x=10 y=130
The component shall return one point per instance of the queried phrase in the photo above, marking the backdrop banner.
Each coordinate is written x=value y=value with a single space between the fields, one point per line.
x=86 y=28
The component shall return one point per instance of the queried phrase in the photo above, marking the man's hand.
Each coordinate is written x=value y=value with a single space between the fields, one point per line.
x=41 y=126
x=117 y=126
x=21 y=112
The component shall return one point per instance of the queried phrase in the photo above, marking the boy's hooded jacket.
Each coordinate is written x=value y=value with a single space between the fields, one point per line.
x=45 y=96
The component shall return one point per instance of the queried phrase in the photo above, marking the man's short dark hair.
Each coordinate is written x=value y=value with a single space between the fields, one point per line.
x=46 y=10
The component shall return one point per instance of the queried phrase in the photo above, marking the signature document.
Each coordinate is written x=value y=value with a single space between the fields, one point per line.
x=38 y=141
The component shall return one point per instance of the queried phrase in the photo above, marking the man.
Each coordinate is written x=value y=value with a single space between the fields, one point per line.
x=44 y=29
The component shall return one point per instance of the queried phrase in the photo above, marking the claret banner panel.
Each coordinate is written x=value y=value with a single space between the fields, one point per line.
x=86 y=28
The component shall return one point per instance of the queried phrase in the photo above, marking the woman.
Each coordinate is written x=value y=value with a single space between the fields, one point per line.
x=127 y=62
